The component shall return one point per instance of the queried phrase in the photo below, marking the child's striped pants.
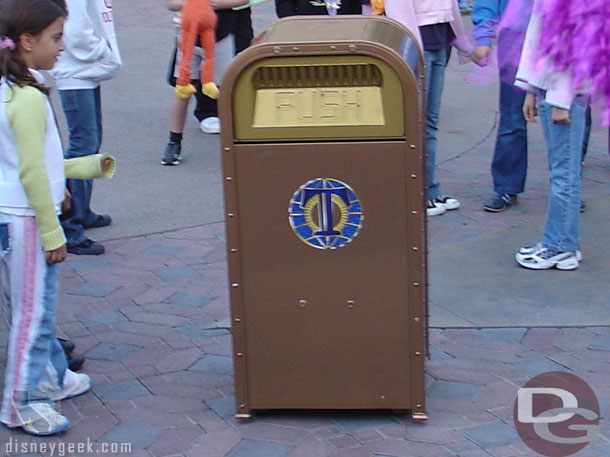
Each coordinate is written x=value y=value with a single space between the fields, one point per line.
x=36 y=363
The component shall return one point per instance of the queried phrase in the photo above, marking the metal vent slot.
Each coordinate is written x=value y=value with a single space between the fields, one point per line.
x=283 y=77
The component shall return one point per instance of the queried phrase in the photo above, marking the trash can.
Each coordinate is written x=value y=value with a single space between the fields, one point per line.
x=323 y=170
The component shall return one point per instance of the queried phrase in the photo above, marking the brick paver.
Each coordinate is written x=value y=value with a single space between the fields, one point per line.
x=167 y=388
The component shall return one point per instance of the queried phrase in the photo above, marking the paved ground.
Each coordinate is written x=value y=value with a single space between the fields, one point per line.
x=152 y=314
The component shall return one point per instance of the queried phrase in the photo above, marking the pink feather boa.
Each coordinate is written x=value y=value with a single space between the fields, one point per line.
x=575 y=35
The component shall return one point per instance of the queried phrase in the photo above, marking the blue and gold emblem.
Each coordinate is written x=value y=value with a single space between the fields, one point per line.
x=325 y=213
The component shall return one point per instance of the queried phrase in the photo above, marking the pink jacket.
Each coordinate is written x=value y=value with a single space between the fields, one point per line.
x=415 y=13
x=536 y=72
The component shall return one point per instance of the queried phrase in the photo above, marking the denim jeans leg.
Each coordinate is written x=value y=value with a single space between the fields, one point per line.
x=564 y=149
x=509 y=163
x=48 y=361
x=82 y=108
x=435 y=62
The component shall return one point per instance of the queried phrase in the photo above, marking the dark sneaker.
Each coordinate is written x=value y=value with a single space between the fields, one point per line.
x=66 y=345
x=582 y=206
x=500 y=202
x=171 y=155
x=101 y=220
x=75 y=361
x=87 y=247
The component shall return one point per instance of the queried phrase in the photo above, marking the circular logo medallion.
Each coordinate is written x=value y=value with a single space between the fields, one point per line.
x=556 y=414
x=325 y=213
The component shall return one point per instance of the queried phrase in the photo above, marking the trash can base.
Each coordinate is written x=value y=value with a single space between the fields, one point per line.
x=417 y=416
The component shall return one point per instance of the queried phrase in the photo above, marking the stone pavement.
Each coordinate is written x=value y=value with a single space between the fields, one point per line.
x=152 y=314
x=151 y=317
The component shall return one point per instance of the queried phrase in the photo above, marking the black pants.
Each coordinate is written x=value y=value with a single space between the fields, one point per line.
x=239 y=23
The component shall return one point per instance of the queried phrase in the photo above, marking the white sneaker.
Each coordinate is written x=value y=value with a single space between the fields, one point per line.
x=75 y=384
x=433 y=208
x=448 y=202
x=528 y=250
x=544 y=259
x=210 y=125
x=42 y=419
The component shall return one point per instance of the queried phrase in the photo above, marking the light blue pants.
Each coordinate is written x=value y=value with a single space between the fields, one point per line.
x=435 y=62
x=564 y=150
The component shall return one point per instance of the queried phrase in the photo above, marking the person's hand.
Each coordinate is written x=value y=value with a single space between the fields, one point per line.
x=560 y=115
x=56 y=255
x=67 y=201
x=105 y=164
x=530 y=110
x=480 y=55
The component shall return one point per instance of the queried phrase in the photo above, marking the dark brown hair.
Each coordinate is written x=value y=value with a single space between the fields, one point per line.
x=25 y=16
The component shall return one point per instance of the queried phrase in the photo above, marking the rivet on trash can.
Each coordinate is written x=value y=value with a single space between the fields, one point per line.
x=415 y=248
x=413 y=212
x=228 y=178
x=333 y=47
x=416 y=319
x=417 y=353
x=227 y=149
x=413 y=176
x=295 y=48
x=233 y=251
x=242 y=406
x=352 y=47
x=235 y=284
x=416 y=284
x=383 y=397
x=418 y=406
x=351 y=303
x=276 y=49
x=237 y=319
x=302 y=303
x=239 y=354
x=412 y=146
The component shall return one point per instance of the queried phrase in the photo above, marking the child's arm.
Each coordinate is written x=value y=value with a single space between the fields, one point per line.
x=27 y=113
x=89 y=167
x=485 y=17
x=530 y=109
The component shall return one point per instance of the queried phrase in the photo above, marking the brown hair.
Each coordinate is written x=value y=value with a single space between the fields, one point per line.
x=25 y=16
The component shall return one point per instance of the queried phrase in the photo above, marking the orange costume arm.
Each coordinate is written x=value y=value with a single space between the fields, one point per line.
x=198 y=19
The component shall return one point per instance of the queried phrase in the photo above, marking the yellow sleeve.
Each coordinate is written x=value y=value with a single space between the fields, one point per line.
x=27 y=115
x=89 y=167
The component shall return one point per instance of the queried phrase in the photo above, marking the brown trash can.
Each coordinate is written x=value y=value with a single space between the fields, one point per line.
x=323 y=163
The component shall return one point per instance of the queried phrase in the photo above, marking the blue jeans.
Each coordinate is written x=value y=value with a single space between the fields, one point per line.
x=509 y=163
x=564 y=148
x=435 y=62
x=83 y=111
x=46 y=348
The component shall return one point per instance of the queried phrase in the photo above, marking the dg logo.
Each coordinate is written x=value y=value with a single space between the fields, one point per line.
x=556 y=414
x=325 y=213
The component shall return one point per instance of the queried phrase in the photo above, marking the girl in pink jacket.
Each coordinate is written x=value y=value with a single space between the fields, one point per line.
x=437 y=25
